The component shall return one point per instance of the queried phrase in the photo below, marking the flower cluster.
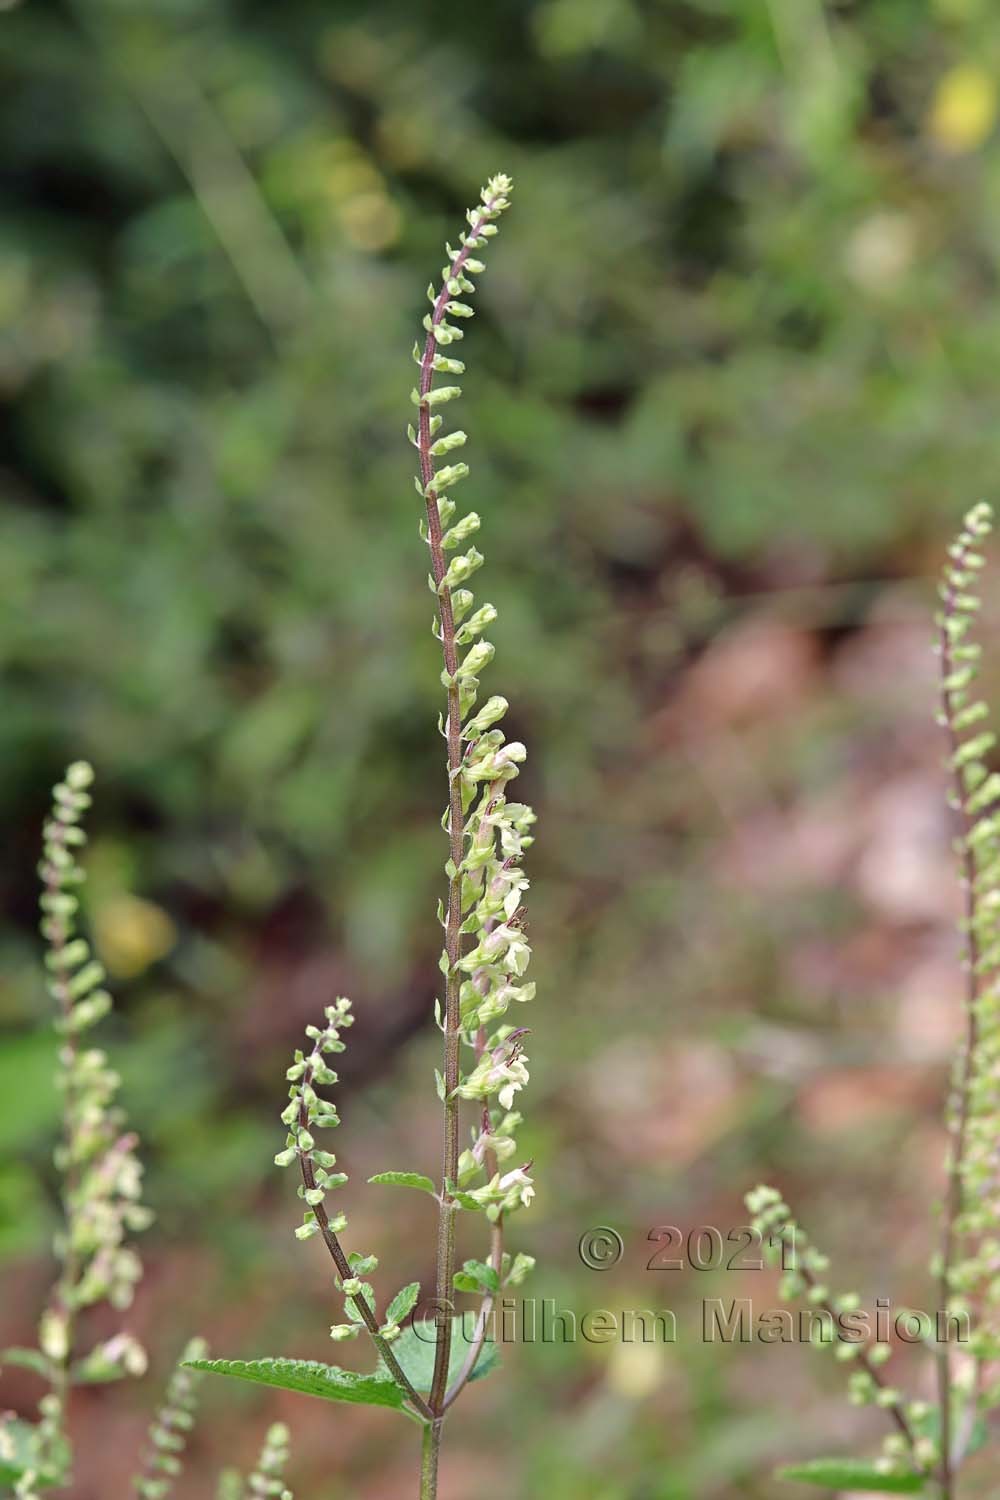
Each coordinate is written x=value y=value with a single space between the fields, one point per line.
x=486 y=952
x=306 y=1112
x=974 y=1108
x=267 y=1478
x=484 y=959
x=168 y=1434
x=100 y=1171
x=804 y=1269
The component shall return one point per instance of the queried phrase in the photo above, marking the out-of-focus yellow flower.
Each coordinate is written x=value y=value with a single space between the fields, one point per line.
x=635 y=1370
x=350 y=176
x=371 y=221
x=132 y=934
x=964 y=108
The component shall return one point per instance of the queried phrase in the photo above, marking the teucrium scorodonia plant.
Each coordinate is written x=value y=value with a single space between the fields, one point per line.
x=931 y=1440
x=423 y=1368
x=99 y=1171
x=100 y=1177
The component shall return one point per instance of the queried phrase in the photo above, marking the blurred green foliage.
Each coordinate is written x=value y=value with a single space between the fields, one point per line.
x=740 y=339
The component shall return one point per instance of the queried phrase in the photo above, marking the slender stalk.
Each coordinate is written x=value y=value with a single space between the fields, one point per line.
x=332 y=1242
x=960 y=1122
x=456 y=829
x=429 y=1455
x=482 y=1322
x=895 y=1411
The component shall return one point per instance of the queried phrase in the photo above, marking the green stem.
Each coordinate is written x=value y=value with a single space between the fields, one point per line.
x=429 y=1460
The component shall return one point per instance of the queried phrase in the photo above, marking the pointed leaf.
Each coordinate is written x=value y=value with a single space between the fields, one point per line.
x=480 y=1275
x=403 y=1303
x=405 y=1179
x=310 y=1377
x=415 y=1347
x=849 y=1474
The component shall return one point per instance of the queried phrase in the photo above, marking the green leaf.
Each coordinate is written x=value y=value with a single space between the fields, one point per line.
x=310 y=1377
x=19 y=1451
x=929 y=1425
x=464 y=1200
x=403 y=1303
x=476 y=1275
x=850 y=1474
x=414 y=1349
x=405 y=1179
x=27 y=1359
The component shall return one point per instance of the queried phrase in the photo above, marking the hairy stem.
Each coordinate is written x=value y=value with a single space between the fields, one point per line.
x=959 y=1122
x=332 y=1242
x=456 y=830
x=429 y=1455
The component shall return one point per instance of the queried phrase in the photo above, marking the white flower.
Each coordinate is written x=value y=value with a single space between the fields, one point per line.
x=517 y=1187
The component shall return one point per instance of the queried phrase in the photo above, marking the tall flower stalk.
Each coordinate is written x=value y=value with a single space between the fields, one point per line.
x=168 y=1434
x=926 y=1451
x=100 y=1180
x=484 y=884
x=100 y=1173
x=422 y=1368
x=971 y=1214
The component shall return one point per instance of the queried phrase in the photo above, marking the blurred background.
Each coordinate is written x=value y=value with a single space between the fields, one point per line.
x=733 y=383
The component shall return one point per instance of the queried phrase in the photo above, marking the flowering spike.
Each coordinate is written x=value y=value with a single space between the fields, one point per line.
x=966 y=1265
x=267 y=1478
x=486 y=953
x=101 y=1174
x=804 y=1275
x=933 y=1444
x=168 y=1434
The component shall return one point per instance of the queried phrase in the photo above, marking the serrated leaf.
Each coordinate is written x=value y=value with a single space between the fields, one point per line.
x=403 y=1303
x=310 y=1378
x=850 y=1474
x=415 y=1347
x=405 y=1179
x=480 y=1275
x=463 y=1199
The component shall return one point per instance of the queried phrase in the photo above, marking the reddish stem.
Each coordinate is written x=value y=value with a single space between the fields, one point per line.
x=456 y=832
